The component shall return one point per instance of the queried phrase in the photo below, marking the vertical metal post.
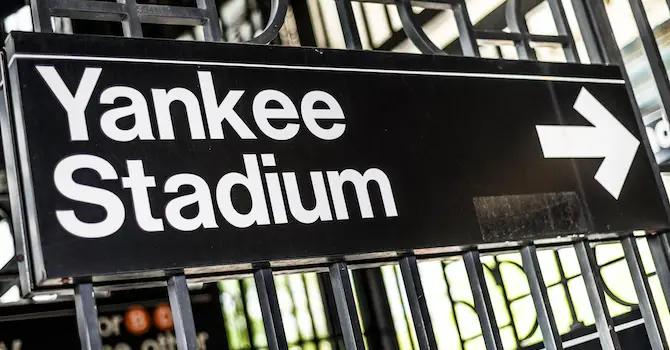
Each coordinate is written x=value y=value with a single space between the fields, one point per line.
x=41 y=12
x=538 y=291
x=87 y=317
x=303 y=23
x=346 y=306
x=603 y=32
x=417 y=303
x=652 y=52
x=516 y=22
x=588 y=31
x=645 y=299
x=212 y=29
x=348 y=23
x=466 y=31
x=483 y=304
x=594 y=289
x=272 y=321
x=180 y=303
x=330 y=310
x=660 y=252
x=563 y=28
x=132 y=26
x=375 y=310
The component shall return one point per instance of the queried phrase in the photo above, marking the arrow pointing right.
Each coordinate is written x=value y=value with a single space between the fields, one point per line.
x=607 y=139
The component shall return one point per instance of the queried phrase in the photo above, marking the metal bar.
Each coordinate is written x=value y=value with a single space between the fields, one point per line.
x=645 y=299
x=494 y=21
x=564 y=284
x=303 y=22
x=652 y=52
x=483 y=305
x=497 y=277
x=88 y=10
x=267 y=296
x=87 y=317
x=212 y=29
x=594 y=289
x=330 y=310
x=413 y=29
x=588 y=31
x=348 y=23
x=538 y=291
x=375 y=310
x=517 y=24
x=504 y=36
x=132 y=26
x=563 y=28
x=397 y=37
x=19 y=226
x=60 y=8
x=346 y=306
x=180 y=303
x=92 y=16
x=466 y=32
x=174 y=15
x=603 y=32
x=41 y=13
x=417 y=303
x=660 y=251
x=277 y=15
x=429 y=4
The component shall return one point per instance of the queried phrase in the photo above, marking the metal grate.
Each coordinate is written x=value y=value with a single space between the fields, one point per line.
x=131 y=15
x=601 y=47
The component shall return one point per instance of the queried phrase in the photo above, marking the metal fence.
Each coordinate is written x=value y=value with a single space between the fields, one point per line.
x=335 y=289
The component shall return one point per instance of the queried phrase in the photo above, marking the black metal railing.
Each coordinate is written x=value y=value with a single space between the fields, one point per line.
x=337 y=293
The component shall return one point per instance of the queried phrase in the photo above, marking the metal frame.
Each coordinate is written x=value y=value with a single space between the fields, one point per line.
x=336 y=286
x=538 y=290
x=132 y=15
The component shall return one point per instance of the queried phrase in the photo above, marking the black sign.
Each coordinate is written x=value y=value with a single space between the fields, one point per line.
x=137 y=155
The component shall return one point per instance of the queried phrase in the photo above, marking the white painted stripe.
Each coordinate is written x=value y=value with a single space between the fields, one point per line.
x=318 y=68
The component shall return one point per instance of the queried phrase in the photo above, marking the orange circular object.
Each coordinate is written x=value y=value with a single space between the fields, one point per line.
x=163 y=317
x=137 y=320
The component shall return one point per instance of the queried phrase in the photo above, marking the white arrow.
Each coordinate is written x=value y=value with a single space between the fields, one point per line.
x=607 y=139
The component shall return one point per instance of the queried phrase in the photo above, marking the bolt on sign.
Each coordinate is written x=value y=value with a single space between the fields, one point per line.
x=135 y=155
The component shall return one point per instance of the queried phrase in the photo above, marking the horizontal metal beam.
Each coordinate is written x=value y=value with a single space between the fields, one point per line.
x=111 y=11
x=435 y=5
x=89 y=10
x=504 y=36
x=174 y=15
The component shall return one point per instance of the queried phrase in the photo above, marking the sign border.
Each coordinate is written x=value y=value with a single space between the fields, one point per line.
x=17 y=158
